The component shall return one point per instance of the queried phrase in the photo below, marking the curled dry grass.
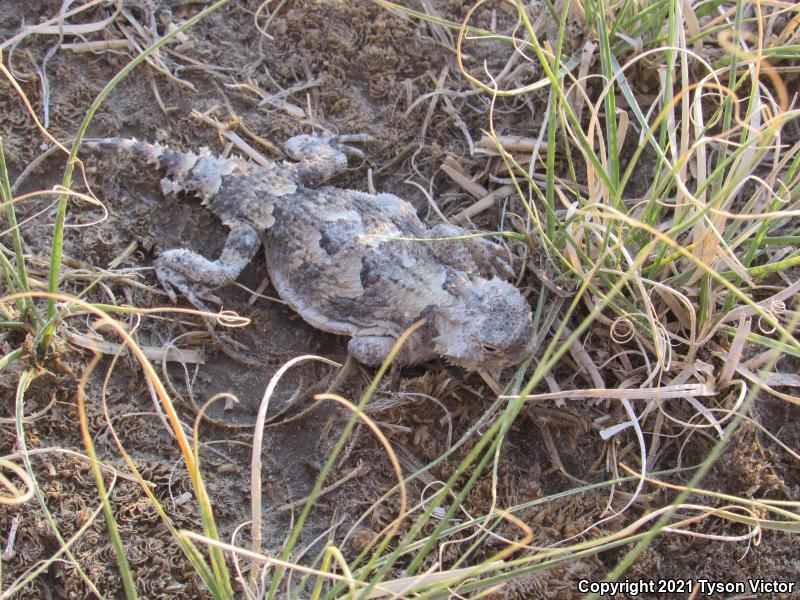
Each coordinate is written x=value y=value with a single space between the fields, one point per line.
x=683 y=294
x=681 y=277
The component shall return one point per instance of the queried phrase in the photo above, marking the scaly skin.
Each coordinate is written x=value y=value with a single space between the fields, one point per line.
x=348 y=262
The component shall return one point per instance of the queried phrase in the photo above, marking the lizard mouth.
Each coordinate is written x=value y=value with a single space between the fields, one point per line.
x=474 y=343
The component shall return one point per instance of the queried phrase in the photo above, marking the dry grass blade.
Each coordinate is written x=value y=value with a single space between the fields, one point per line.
x=276 y=562
x=97 y=46
x=639 y=163
x=56 y=26
x=398 y=588
x=457 y=174
x=156 y=354
x=258 y=444
x=655 y=393
x=12 y=494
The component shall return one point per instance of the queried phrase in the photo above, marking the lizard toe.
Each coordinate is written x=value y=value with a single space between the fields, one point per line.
x=172 y=280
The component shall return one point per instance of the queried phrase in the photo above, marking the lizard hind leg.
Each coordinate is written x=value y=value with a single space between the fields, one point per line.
x=195 y=276
x=473 y=255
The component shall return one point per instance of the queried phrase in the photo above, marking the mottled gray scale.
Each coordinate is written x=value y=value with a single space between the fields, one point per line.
x=357 y=238
x=326 y=276
x=339 y=233
x=242 y=196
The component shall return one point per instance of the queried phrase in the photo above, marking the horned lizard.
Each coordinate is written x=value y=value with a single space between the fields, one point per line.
x=348 y=262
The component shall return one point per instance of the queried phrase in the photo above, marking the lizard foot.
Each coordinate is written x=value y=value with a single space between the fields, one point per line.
x=311 y=146
x=195 y=276
x=168 y=270
x=471 y=254
x=320 y=157
x=491 y=258
x=172 y=278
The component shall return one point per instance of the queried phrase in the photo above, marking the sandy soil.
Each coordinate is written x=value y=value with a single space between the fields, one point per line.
x=350 y=67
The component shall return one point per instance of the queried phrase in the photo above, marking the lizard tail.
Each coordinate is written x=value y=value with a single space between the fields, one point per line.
x=166 y=159
x=186 y=171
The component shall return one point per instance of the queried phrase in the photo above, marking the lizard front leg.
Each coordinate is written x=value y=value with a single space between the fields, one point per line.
x=372 y=350
x=320 y=157
x=195 y=276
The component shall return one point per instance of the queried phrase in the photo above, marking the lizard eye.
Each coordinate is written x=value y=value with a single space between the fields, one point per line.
x=490 y=349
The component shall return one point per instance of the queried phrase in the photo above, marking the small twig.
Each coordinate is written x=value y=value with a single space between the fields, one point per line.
x=153 y=353
x=484 y=203
x=510 y=143
x=432 y=106
x=97 y=46
x=9 y=551
x=457 y=173
x=233 y=138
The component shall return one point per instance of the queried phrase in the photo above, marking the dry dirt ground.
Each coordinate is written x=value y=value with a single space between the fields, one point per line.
x=348 y=67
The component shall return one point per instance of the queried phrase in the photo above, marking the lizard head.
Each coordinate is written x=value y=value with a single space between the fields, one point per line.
x=488 y=327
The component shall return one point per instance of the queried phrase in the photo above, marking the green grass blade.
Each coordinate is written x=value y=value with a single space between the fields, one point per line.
x=61 y=209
